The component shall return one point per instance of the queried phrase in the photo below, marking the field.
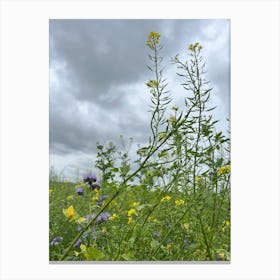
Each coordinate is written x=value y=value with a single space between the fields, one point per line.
x=170 y=201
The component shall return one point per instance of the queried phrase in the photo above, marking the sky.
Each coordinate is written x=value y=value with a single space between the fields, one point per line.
x=97 y=82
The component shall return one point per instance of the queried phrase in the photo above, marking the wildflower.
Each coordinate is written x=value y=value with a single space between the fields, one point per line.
x=166 y=198
x=172 y=119
x=80 y=191
x=186 y=226
x=130 y=220
x=113 y=217
x=227 y=223
x=223 y=170
x=78 y=243
x=179 y=202
x=156 y=234
x=152 y=84
x=69 y=212
x=103 y=217
x=50 y=191
x=82 y=220
x=153 y=40
x=56 y=241
x=90 y=178
x=69 y=197
x=197 y=179
x=135 y=204
x=131 y=212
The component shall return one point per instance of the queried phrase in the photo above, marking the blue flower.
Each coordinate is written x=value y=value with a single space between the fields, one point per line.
x=56 y=241
x=78 y=243
x=80 y=191
x=103 y=217
x=90 y=178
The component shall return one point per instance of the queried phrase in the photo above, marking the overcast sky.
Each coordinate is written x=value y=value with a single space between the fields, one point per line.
x=97 y=81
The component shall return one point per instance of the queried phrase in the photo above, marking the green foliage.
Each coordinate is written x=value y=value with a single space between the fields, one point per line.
x=175 y=204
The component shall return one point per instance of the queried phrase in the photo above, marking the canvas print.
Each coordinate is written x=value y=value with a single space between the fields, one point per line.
x=139 y=125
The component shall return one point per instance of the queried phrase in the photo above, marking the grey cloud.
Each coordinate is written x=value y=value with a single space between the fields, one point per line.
x=98 y=71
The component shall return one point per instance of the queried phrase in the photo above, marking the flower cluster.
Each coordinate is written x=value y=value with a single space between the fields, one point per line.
x=195 y=47
x=224 y=170
x=80 y=191
x=166 y=198
x=152 y=84
x=179 y=202
x=91 y=180
x=153 y=40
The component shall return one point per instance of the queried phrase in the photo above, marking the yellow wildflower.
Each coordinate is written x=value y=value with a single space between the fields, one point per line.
x=227 y=223
x=130 y=220
x=153 y=40
x=198 y=179
x=223 y=170
x=113 y=217
x=69 y=197
x=172 y=119
x=135 y=204
x=131 y=212
x=69 y=212
x=166 y=198
x=81 y=220
x=83 y=248
x=186 y=226
x=152 y=84
x=179 y=202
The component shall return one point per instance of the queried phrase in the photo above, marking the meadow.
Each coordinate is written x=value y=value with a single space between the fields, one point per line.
x=171 y=201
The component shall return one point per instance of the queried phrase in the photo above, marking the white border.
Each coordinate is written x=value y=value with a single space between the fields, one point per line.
x=255 y=137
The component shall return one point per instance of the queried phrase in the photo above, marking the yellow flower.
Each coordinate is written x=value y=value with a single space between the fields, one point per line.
x=179 y=202
x=186 y=226
x=172 y=119
x=166 y=198
x=130 y=220
x=83 y=248
x=69 y=212
x=131 y=212
x=197 y=179
x=50 y=191
x=113 y=217
x=223 y=170
x=153 y=39
x=135 y=204
x=69 y=197
x=152 y=84
x=81 y=220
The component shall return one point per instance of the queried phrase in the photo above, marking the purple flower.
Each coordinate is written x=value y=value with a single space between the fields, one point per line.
x=56 y=241
x=78 y=243
x=103 y=217
x=90 y=178
x=80 y=191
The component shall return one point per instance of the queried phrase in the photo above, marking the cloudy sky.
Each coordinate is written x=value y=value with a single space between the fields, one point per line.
x=97 y=81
